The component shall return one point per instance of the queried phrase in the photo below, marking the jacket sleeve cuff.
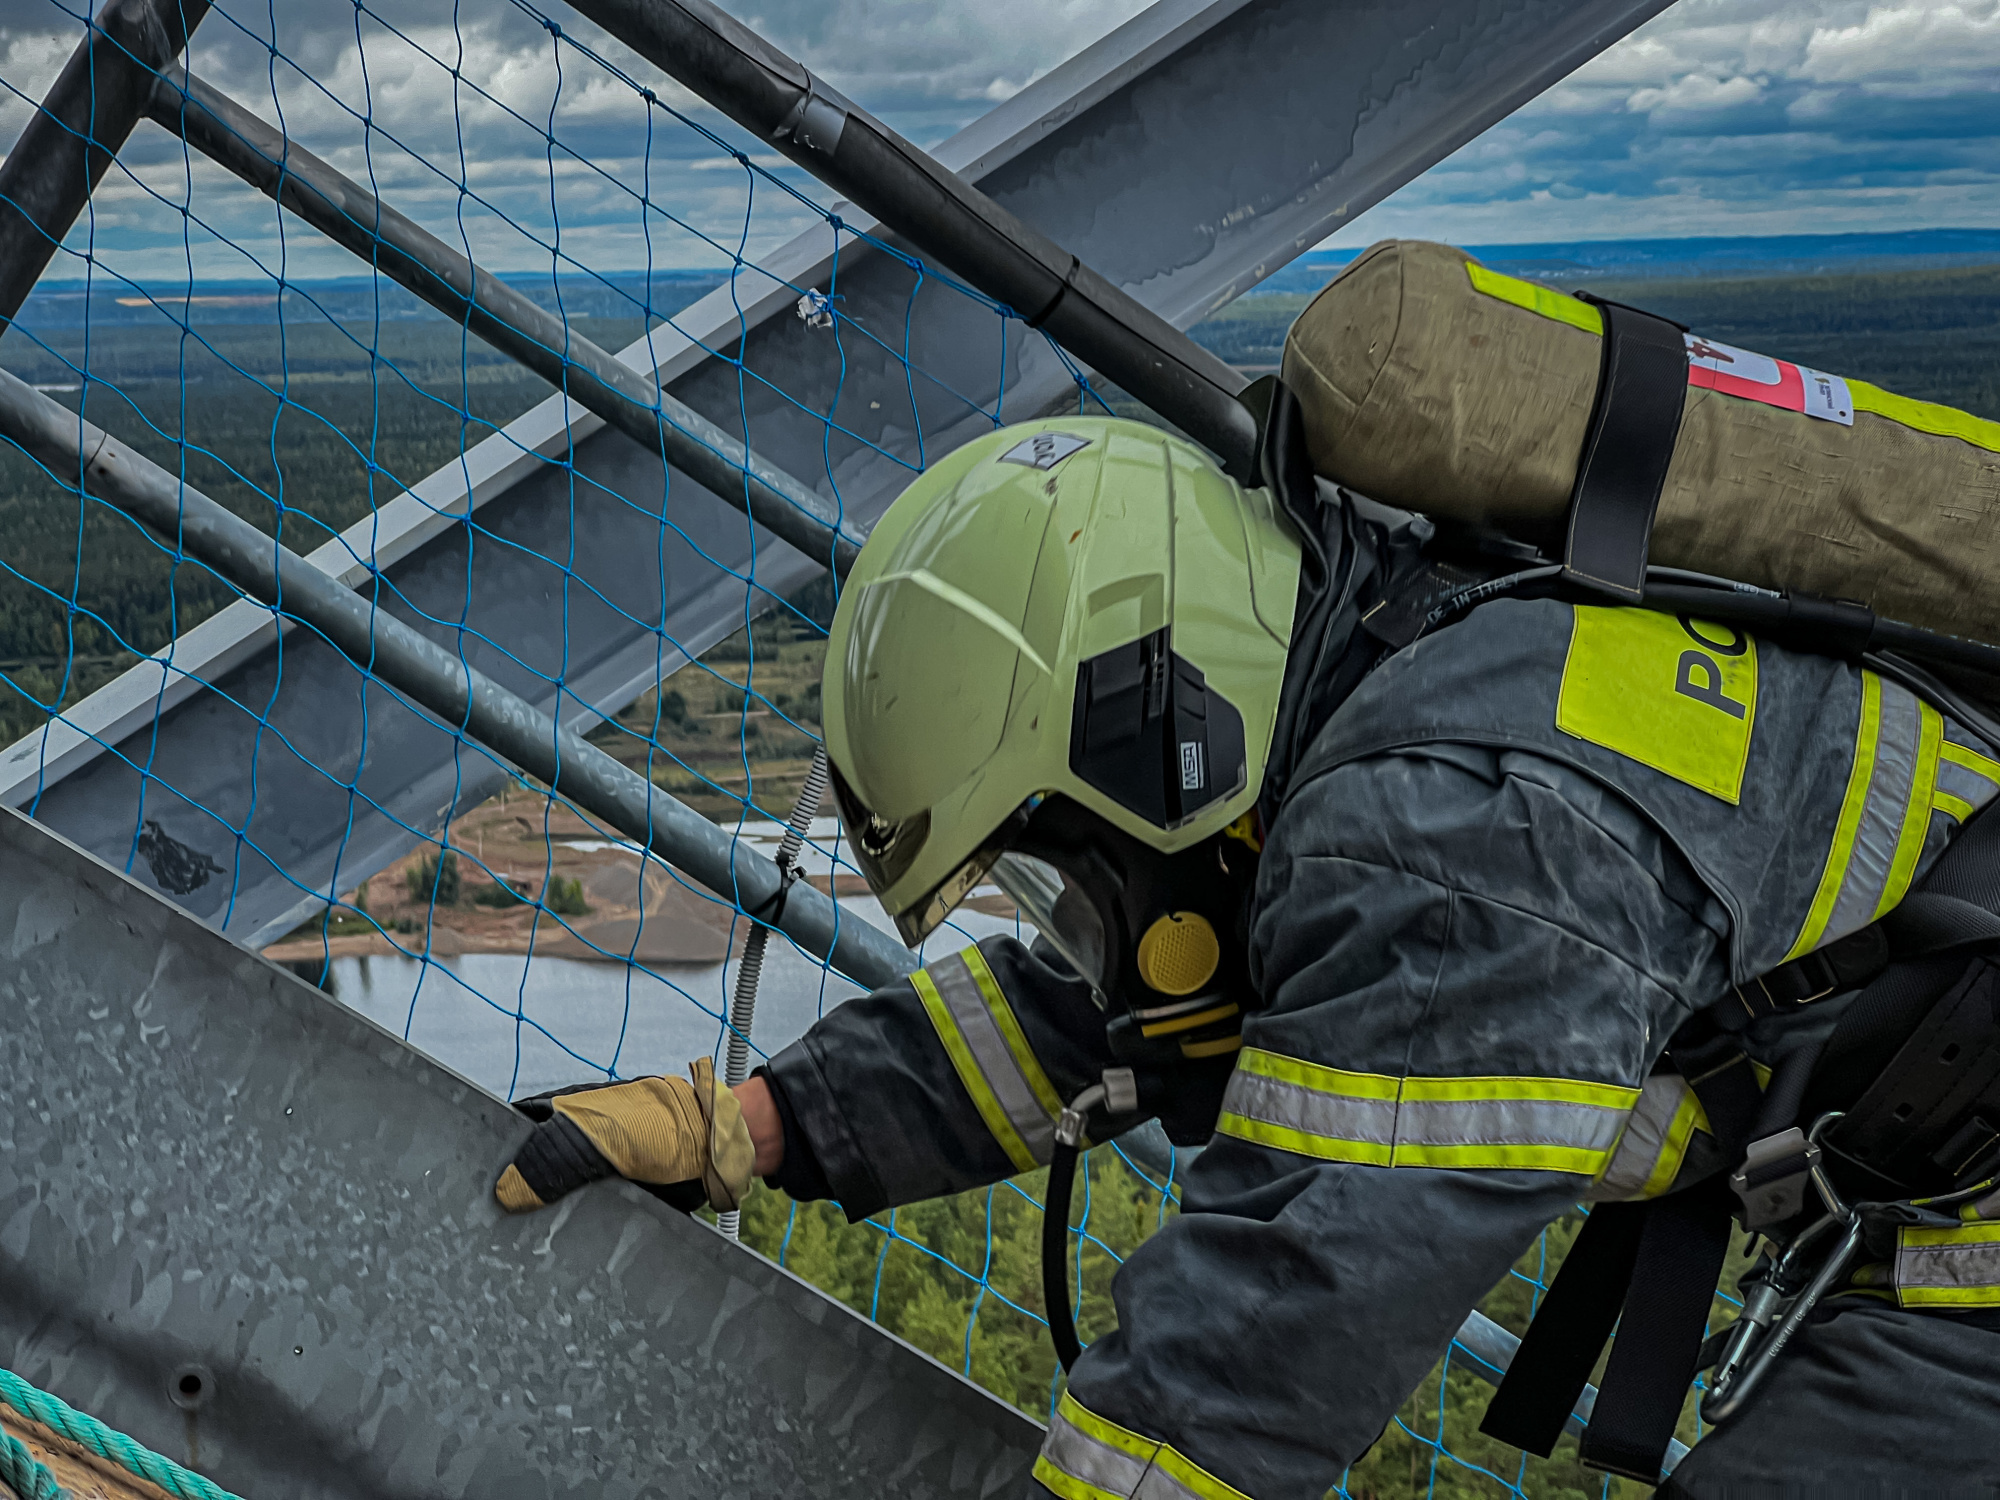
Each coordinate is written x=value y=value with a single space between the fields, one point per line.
x=811 y=1117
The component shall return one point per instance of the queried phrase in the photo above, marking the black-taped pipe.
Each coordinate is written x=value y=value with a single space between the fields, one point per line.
x=941 y=214
x=82 y=124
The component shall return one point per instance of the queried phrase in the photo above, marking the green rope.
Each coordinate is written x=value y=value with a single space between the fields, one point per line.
x=22 y=1474
x=90 y=1434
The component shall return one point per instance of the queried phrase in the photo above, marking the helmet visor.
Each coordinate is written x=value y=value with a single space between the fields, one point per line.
x=1057 y=906
x=886 y=848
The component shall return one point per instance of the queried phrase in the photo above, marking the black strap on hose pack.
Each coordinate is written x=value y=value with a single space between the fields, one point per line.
x=1559 y=1350
x=1634 y=423
x=1658 y=1347
x=1649 y=1269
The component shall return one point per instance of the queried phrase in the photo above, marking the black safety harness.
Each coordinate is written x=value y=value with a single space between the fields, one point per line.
x=1837 y=1151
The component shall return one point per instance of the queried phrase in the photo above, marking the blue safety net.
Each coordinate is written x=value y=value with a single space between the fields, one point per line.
x=222 y=751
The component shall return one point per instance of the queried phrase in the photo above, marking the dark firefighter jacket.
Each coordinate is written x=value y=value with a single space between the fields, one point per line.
x=1507 y=864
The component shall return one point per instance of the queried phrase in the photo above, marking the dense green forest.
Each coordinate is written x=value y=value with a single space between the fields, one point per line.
x=304 y=428
x=298 y=430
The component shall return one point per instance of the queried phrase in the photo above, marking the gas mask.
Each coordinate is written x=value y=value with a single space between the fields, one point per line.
x=1159 y=937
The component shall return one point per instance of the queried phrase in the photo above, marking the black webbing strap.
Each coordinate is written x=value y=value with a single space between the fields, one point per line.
x=1658 y=1347
x=1552 y=1366
x=1634 y=423
x=1846 y=964
x=1646 y=1261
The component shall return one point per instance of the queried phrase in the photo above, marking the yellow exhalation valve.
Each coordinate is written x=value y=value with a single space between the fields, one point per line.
x=1179 y=953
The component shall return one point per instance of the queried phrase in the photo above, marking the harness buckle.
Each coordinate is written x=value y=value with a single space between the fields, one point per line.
x=1771 y=1183
x=1827 y=979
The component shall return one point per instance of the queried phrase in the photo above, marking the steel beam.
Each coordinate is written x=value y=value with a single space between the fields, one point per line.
x=356 y=220
x=213 y=1169
x=945 y=217
x=1186 y=155
x=83 y=123
x=436 y=680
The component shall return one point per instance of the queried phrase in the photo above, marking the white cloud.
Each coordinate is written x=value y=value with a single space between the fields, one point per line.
x=1779 y=114
x=1923 y=50
x=1734 y=117
x=1694 y=93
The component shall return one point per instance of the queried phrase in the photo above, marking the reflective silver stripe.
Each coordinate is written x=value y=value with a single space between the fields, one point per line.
x=1296 y=1108
x=1160 y=1485
x=1638 y=1154
x=1889 y=788
x=1949 y=1267
x=1082 y=1457
x=1521 y=1122
x=1963 y=782
x=961 y=994
x=1550 y=1124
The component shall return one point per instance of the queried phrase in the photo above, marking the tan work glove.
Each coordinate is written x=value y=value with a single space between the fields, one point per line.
x=683 y=1139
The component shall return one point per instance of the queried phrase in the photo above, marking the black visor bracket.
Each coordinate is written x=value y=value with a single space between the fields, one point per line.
x=1634 y=424
x=1152 y=735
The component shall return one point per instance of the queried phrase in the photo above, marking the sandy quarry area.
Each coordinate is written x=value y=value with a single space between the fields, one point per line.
x=530 y=843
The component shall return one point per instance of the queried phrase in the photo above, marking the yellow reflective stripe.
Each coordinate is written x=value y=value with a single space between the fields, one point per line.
x=1851 y=807
x=1547 y=1124
x=1917 y=815
x=1188 y=1023
x=1073 y=1411
x=1011 y=1033
x=1925 y=416
x=1192 y=1478
x=1545 y=301
x=1056 y=1482
x=983 y=1098
x=1955 y=808
x=1211 y=1049
x=1086 y=1457
x=1976 y=1233
x=1303 y=1142
x=1972 y=760
x=1948 y=1267
x=1654 y=1143
x=1313 y=1076
x=1495 y=1156
x=1689 y=1118
x=1549 y=1090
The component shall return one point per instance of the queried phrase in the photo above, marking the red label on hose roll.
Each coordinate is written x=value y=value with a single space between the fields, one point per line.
x=1775 y=382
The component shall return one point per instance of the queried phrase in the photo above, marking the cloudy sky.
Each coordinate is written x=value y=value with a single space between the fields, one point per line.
x=1720 y=116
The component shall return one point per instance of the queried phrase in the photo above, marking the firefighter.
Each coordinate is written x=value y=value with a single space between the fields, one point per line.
x=1395 y=916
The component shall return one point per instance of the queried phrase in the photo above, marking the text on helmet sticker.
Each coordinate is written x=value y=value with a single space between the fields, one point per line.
x=1044 y=450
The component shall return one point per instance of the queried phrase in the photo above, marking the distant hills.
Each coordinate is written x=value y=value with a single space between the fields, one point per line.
x=1736 y=257
x=355 y=299
x=625 y=294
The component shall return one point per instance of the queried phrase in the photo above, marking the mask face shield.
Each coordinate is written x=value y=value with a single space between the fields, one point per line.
x=1055 y=904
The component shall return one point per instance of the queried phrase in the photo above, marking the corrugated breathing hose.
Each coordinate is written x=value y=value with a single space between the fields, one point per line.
x=1119 y=1094
x=750 y=969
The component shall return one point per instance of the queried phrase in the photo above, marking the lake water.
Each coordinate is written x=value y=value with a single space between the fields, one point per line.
x=519 y=1025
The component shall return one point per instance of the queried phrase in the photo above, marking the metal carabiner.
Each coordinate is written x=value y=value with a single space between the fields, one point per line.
x=1751 y=1351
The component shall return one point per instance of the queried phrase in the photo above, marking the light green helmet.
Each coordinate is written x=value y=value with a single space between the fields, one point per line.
x=1078 y=607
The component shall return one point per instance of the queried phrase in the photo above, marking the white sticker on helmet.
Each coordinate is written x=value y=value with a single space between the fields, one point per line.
x=1194 y=776
x=1044 y=450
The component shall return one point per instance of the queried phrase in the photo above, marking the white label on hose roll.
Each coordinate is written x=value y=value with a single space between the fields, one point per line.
x=1827 y=398
x=1774 y=382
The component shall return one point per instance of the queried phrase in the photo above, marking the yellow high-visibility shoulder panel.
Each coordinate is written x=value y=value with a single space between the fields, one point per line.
x=1675 y=694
